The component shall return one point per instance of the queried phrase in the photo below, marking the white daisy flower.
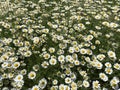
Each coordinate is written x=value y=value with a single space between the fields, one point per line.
x=95 y=84
x=32 y=75
x=68 y=80
x=35 y=87
x=18 y=78
x=111 y=54
x=36 y=40
x=108 y=70
x=42 y=83
x=61 y=58
x=103 y=77
x=16 y=65
x=52 y=61
x=86 y=84
x=116 y=66
x=83 y=51
x=108 y=64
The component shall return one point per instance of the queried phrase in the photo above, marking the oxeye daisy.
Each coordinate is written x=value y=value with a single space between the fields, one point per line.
x=42 y=83
x=36 y=67
x=108 y=64
x=117 y=66
x=28 y=54
x=86 y=83
x=52 y=61
x=55 y=82
x=68 y=80
x=36 y=40
x=46 y=56
x=18 y=78
x=51 y=50
x=95 y=84
x=23 y=72
x=4 y=65
x=114 y=82
x=108 y=70
x=45 y=64
x=71 y=49
x=61 y=58
x=103 y=77
x=10 y=75
x=16 y=65
x=61 y=87
x=73 y=85
x=31 y=75
x=35 y=87
x=83 y=51
x=111 y=54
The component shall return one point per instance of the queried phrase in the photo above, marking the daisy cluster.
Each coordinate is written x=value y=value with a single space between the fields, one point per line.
x=59 y=45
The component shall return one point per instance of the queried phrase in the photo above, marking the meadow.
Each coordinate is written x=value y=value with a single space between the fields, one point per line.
x=59 y=44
